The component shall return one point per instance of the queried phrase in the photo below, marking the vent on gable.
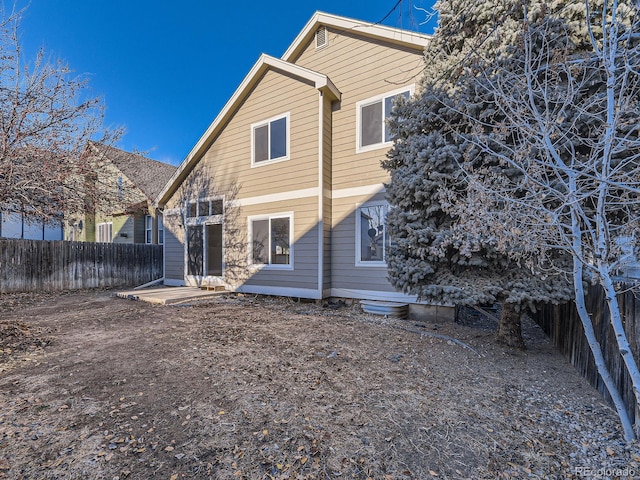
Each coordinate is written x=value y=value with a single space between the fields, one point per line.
x=321 y=37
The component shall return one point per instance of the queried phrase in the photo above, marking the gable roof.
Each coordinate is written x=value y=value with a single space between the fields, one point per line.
x=267 y=62
x=396 y=36
x=264 y=63
x=150 y=176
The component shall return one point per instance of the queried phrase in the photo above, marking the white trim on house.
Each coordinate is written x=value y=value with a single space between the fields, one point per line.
x=277 y=197
x=392 y=35
x=358 y=191
x=270 y=266
x=268 y=122
x=320 y=223
x=374 y=295
x=370 y=101
x=202 y=221
x=358 y=235
x=312 y=293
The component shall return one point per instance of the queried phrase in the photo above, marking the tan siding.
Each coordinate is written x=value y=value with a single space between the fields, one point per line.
x=230 y=155
x=227 y=163
x=360 y=69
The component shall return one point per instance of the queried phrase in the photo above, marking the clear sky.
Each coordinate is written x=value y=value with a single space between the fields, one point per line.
x=166 y=68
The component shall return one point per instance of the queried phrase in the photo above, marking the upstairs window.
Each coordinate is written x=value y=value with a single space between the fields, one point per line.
x=270 y=140
x=371 y=117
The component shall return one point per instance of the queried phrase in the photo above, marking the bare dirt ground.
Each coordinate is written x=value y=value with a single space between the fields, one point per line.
x=92 y=386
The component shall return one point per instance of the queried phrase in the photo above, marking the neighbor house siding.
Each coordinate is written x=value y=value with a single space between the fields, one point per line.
x=123 y=227
x=139 y=233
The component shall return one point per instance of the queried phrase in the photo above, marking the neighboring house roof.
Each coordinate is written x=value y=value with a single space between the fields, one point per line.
x=150 y=176
x=266 y=62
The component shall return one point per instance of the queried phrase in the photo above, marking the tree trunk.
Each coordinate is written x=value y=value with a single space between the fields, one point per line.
x=510 y=326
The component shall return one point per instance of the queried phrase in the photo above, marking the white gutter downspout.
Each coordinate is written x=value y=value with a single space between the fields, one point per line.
x=320 y=195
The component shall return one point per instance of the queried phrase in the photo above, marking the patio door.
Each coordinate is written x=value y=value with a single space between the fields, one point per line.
x=204 y=253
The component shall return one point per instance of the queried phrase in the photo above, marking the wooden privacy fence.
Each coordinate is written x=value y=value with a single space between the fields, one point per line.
x=562 y=324
x=32 y=265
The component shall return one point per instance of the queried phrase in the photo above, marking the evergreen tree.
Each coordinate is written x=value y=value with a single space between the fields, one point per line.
x=523 y=150
x=429 y=256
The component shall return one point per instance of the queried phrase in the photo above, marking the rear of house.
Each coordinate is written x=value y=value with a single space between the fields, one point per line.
x=284 y=193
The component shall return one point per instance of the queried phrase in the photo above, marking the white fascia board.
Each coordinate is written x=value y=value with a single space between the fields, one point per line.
x=320 y=81
x=280 y=291
x=393 y=35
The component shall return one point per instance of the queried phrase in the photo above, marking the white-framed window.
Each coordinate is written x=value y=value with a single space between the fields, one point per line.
x=148 y=229
x=205 y=207
x=270 y=140
x=371 y=120
x=160 y=230
x=271 y=240
x=372 y=240
x=104 y=232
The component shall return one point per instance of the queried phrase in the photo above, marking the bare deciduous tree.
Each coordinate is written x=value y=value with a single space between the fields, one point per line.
x=47 y=118
x=569 y=130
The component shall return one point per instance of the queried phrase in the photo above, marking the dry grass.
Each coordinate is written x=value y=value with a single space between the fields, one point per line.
x=266 y=388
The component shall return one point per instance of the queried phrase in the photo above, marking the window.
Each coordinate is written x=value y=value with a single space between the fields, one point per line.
x=120 y=188
x=205 y=208
x=192 y=210
x=160 y=230
x=270 y=240
x=371 y=116
x=148 y=229
x=104 y=232
x=270 y=140
x=372 y=240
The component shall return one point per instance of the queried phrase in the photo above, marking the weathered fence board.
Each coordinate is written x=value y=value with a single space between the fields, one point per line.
x=562 y=324
x=32 y=265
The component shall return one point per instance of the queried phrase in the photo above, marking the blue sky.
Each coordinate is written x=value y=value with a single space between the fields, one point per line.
x=165 y=69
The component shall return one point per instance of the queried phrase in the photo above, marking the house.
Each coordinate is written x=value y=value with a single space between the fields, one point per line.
x=284 y=194
x=122 y=210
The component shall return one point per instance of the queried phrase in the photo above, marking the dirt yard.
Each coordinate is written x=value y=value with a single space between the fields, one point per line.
x=92 y=386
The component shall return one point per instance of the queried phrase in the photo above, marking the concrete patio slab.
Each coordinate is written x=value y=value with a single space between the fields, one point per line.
x=168 y=295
